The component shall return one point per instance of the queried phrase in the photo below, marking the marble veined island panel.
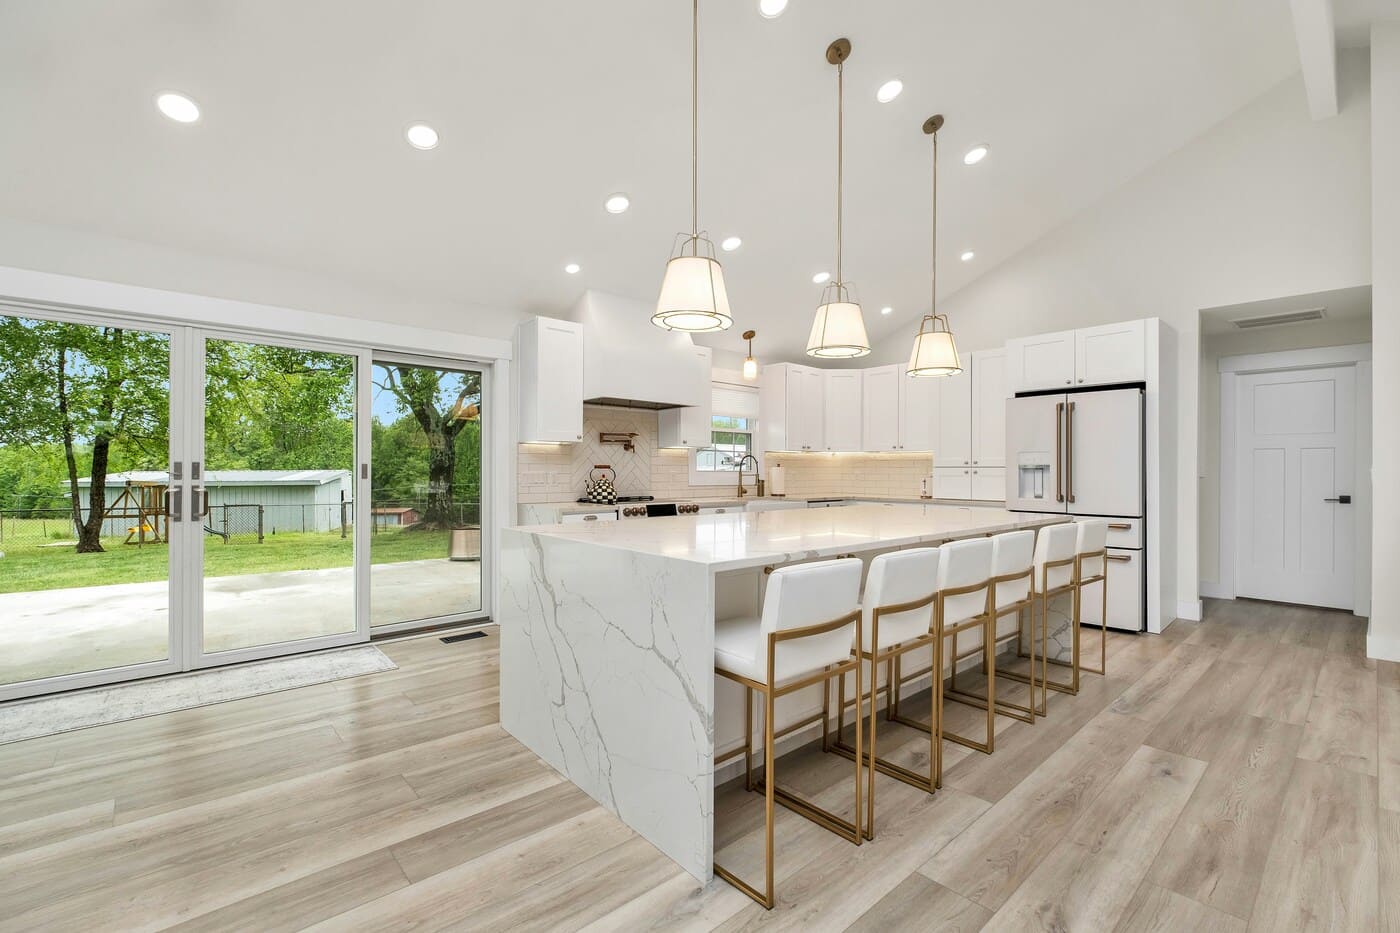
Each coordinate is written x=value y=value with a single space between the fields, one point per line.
x=607 y=643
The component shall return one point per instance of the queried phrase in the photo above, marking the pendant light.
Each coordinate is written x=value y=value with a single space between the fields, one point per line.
x=693 y=298
x=838 y=332
x=935 y=353
x=750 y=364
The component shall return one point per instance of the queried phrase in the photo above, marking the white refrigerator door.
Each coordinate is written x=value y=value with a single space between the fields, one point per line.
x=1103 y=453
x=1035 y=454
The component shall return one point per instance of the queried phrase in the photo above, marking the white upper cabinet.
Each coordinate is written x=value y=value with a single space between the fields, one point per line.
x=690 y=426
x=953 y=446
x=842 y=426
x=1045 y=361
x=792 y=407
x=1090 y=356
x=918 y=410
x=550 y=368
x=880 y=401
x=1111 y=353
x=989 y=408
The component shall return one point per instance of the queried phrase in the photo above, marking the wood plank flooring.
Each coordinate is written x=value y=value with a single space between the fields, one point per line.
x=1238 y=774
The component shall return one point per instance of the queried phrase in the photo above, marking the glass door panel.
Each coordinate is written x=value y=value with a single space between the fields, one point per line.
x=425 y=502
x=85 y=447
x=276 y=497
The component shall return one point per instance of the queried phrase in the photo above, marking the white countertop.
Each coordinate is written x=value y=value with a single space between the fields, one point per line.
x=737 y=540
x=572 y=507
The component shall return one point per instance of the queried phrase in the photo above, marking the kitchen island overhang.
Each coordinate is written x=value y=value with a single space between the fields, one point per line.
x=607 y=643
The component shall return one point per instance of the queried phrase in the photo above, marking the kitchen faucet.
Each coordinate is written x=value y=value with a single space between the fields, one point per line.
x=743 y=460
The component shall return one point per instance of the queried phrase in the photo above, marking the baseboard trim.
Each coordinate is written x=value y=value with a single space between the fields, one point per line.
x=1381 y=647
x=1189 y=609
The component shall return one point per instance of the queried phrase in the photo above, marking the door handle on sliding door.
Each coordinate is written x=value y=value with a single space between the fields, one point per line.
x=199 y=503
x=172 y=506
x=1069 y=452
x=1059 y=450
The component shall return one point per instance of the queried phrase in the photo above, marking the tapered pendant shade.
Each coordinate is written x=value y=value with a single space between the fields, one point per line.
x=935 y=352
x=692 y=296
x=838 y=332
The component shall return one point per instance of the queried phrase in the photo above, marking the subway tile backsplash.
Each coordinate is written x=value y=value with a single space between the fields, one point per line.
x=555 y=473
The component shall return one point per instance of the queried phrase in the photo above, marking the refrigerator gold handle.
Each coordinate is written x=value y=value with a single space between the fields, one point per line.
x=1059 y=449
x=1069 y=452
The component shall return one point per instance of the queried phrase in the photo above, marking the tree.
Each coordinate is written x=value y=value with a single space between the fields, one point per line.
x=442 y=403
x=91 y=389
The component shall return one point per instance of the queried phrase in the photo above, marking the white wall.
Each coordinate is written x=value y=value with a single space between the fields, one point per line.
x=43 y=248
x=1384 y=639
x=1266 y=204
x=1265 y=340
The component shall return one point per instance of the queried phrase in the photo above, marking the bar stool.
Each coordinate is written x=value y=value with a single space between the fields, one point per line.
x=1091 y=566
x=1055 y=559
x=896 y=618
x=1012 y=573
x=963 y=603
x=811 y=610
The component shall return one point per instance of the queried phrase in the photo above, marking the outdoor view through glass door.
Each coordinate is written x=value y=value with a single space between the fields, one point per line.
x=426 y=479
x=276 y=498
x=84 y=538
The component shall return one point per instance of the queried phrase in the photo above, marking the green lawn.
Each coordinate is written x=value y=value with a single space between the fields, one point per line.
x=27 y=567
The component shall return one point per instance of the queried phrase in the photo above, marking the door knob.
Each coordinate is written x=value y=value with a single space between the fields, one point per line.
x=1342 y=500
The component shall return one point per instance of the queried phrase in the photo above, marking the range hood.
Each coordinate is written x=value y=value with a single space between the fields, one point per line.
x=628 y=362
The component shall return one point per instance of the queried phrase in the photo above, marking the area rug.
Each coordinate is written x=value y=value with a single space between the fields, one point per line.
x=80 y=709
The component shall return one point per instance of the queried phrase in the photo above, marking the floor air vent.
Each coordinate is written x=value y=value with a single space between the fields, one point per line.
x=462 y=637
x=1286 y=317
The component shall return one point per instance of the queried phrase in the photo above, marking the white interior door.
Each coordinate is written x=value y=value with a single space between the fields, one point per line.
x=1295 y=466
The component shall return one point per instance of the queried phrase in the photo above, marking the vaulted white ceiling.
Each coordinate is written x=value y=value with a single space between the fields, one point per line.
x=545 y=108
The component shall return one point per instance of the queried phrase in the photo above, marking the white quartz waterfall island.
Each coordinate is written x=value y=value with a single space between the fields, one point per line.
x=607 y=642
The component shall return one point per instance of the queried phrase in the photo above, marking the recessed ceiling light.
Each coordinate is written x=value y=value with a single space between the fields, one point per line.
x=572 y=268
x=178 y=107
x=967 y=256
x=889 y=90
x=421 y=136
x=976 y=154
x=770 y=9
x=821 y=278
x=730 y=243
x=887 y=310
x=617 y=203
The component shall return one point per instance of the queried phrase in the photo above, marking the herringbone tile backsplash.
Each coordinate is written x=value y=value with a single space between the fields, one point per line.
x=550 y=473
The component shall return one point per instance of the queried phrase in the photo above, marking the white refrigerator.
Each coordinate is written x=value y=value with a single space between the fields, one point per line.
x=1081 y=453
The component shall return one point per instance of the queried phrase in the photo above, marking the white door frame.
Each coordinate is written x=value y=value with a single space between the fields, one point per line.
x=1231 y=367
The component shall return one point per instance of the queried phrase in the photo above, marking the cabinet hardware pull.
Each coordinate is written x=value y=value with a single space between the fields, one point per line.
x=1120 y=526
x=1119 y=558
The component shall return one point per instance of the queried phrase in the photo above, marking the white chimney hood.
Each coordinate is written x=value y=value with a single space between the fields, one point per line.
x=629 y=362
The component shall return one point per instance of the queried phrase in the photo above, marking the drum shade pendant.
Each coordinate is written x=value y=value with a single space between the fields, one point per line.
x=935 y=352
x=692 y=297
x=838 y=331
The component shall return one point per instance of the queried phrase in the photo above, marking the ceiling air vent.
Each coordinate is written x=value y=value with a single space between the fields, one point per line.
x=1284 y=317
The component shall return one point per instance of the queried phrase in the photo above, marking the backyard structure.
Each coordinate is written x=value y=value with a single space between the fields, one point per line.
x=288 y=500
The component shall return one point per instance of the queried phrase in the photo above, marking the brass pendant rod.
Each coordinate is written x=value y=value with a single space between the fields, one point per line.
x=933 y=266
x=840 y=156
x=695 y=123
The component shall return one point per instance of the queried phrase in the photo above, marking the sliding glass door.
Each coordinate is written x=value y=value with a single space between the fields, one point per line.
x=274 y=487
x=173 y=497
x=86 y=450
x=426 y=495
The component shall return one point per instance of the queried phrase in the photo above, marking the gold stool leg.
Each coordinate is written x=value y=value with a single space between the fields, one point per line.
x=989 y=664
x=770 y=784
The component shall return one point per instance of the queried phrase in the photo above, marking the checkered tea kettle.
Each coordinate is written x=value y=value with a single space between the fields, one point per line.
x=601 y=489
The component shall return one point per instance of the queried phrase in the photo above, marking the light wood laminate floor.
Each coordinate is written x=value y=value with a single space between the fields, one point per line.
x=1242 y=773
